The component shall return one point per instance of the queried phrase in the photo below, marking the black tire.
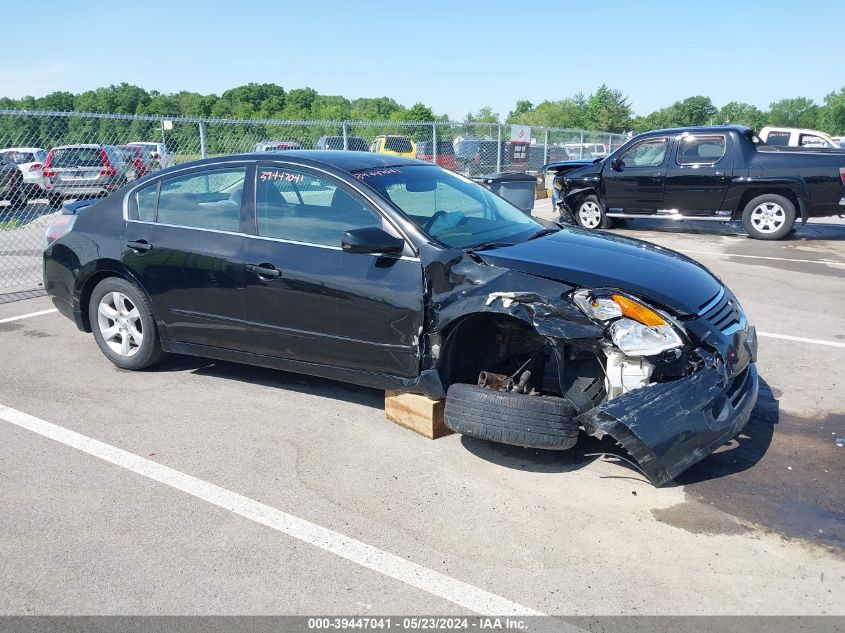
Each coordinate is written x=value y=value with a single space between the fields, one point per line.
x=55 y=201
x=778 y=217
x=511 y=418
x=149 y=352
x=591 y=214
x=18 y=199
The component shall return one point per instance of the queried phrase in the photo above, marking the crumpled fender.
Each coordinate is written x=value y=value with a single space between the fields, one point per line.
x=668 y=427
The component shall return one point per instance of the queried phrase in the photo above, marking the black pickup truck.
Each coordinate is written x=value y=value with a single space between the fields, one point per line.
x=719 y=173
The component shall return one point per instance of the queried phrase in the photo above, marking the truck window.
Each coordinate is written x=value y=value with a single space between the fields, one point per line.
x=778 y=138
x=811 y=140
x=647 y=153
x=701 y=149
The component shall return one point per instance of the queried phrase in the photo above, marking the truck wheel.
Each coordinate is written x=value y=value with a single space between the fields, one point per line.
x=590 y=214
x=511 y=418
x=768 y=217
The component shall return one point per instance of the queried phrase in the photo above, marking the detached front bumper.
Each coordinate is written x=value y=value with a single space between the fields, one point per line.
x=668 y=427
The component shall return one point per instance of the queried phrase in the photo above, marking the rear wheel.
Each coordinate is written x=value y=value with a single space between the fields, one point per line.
x=768 y=217
x=123 y=325
x=590 y=214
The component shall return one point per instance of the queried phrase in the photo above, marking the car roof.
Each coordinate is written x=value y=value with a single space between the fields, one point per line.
x=742 y=129
x=80 y=145
x=342 y=160
x=22 y=149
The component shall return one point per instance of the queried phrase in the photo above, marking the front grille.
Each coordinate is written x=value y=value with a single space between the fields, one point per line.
x=722 y=311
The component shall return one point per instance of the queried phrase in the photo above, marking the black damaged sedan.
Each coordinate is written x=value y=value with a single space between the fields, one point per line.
x=396 y=274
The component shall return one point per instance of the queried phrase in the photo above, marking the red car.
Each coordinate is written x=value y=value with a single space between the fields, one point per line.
x=445 y=154
x=140 y=157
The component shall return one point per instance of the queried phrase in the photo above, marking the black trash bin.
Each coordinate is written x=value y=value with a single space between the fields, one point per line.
x=515 y=187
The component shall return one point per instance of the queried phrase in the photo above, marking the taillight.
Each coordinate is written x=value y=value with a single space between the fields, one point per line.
x=35 y=167
x=107 y=170
x=48 y=173
x=842 y=174
x=60 y=225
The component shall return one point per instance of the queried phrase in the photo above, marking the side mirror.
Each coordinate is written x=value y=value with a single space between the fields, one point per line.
x=616 y=164
x=371 y=240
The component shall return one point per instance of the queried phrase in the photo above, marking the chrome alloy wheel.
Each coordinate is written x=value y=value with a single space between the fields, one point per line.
x=768 y=217
x=589 y=214
x=120 y=324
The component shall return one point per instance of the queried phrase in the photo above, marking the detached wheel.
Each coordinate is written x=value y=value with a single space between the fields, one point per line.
x=511 y=418
x=590 y=214
x=123 y=325
x=768 y=217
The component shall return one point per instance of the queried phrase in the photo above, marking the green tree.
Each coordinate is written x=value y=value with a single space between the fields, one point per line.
x=743 y=114
x=519 y=114
x=608 y=110
x=832 y=120
x=794 y=112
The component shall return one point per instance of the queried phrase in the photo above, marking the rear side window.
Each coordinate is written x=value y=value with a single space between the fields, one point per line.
x=145 y=203
x=694 y=150
x=778 y=138
x=398 y=144
x=209 y=199
x=301 y=207
x=77 y=157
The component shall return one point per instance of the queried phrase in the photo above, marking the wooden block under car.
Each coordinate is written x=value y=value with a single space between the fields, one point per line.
x=416 y=412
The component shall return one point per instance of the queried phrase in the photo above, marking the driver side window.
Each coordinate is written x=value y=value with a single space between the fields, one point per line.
x=648 y=153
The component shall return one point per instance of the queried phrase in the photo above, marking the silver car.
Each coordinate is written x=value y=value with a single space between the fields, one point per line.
x=84 y=171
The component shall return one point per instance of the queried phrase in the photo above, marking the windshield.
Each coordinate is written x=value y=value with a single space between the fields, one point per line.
x=449 y=208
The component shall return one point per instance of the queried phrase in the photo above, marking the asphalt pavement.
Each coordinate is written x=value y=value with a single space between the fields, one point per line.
x=203 y=487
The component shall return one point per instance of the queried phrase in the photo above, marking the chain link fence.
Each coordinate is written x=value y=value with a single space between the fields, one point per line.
x=52 y=156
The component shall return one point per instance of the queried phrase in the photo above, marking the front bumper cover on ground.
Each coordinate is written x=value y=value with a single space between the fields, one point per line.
x=668 y=427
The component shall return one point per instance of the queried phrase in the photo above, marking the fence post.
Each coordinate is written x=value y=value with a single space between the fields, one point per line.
x=345 y=137
x=203 y=145
x=581 y=146
x=499 y=148
x=609 y=142
x=546 y=148
x=434 y=141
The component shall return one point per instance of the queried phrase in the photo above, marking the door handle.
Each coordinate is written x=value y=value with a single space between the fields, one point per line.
x=657 y=175
x=140 y=245
x=264 y=271
x=721 y=174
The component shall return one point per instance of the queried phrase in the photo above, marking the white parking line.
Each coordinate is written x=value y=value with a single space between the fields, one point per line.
x=26 y=316
x=779 y=259
x=801 y=339
x=435 y=583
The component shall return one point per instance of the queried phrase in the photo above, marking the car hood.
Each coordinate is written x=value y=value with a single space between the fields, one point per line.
x=601 y=260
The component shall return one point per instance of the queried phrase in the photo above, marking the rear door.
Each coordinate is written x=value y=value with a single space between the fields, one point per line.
x=636 y=185
x=698 y=175
x=184 y=244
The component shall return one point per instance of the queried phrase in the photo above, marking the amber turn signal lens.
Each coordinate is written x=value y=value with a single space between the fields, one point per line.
x=638 y=312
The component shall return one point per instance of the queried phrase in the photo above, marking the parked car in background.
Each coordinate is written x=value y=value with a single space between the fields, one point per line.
x=796 y=137
x=276 y=146
x=30 y=161
x=11 y=184
x=353 y=143
x=586 y=150
x=394 y=145
x=85 y=171
x=158 y=151
x=475 y=157
x=445 y=154
x=719 y=173
x=840 y=140
x=140 y=159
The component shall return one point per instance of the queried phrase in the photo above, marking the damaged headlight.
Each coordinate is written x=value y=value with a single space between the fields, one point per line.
x=635 y=329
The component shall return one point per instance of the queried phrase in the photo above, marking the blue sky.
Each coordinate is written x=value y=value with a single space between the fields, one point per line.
x=454 y=56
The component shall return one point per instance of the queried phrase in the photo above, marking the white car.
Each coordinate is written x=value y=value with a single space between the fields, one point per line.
x=30 y=160
x=158 y=152
x=796 y=137
x=840 y=140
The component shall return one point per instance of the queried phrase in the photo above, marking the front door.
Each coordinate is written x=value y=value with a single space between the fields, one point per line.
x=183 y=243
x=634 y=184
x=306 y=299
x=698 y=178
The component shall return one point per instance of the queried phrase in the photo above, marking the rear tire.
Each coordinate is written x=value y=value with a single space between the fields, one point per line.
x=590 y=214
x=511 y=418
x=122 y=321
x=768 y=217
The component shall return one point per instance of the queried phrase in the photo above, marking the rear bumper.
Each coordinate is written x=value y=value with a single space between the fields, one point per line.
x=70 y=191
